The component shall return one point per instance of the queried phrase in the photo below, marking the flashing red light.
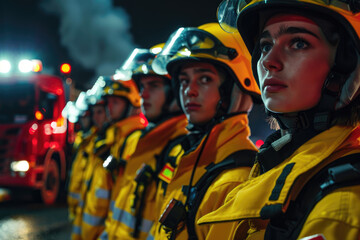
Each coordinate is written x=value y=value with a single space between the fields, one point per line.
x=65 y=68
x=39 y=115
x=259 y=143
x=59 y=91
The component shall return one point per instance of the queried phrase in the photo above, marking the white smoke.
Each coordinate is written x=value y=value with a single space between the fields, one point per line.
x=95 y=33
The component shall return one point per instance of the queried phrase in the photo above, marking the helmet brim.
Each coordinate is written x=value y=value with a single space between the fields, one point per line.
x=252 y=18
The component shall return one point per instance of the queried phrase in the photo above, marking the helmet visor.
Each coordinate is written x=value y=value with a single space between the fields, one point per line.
x=186 y=42
x=229 y=10
x=95 y=94
x=71 y=112
x=138 y=60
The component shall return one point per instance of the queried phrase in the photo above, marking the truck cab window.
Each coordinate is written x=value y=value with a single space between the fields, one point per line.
x=46 y=104
x=16 y=102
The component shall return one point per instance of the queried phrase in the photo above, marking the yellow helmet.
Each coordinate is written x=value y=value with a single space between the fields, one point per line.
x=244 y=15
x=249 y=16
x=140 y=63
x=115 y=86
x=209 y=43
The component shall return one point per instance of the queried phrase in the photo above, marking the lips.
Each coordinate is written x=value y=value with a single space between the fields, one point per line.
x=191 y=106
x=273 y=85
x=146 y=105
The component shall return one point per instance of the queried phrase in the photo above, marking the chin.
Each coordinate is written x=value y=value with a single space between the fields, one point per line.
x=277 y=107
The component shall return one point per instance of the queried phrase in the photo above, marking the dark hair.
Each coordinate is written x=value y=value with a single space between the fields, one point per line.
x=349 y=115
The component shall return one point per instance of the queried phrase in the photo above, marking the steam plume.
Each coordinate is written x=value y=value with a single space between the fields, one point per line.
x=95 y=33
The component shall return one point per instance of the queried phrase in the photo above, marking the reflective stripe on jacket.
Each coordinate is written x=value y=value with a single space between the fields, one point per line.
x=121 y=224
x=76 y=234
x=98 y=196
x=77 y=172
x=127 y=151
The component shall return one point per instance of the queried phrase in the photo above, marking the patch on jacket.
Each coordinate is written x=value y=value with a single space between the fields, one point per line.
x=167 y=173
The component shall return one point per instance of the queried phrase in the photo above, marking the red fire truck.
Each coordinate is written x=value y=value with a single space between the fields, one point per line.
x=34 y=137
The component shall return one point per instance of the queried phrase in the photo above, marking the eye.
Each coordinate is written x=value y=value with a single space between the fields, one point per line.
x=299 y=43
x=155 y=85
x=183 y=81
x=205 y=79
x=265 y=46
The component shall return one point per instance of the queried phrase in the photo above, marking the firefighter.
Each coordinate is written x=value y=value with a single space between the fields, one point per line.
x=84 y=162
x=85 y=124
x=133 y=212
x=306 y=60
x=123 y=102
x=211 y=73
x=79 y=158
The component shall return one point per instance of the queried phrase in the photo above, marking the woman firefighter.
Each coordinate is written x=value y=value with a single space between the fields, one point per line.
x=305 y=183
x=211 y=73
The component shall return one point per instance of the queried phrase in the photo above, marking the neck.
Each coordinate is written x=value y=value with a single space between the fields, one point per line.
x=165 y=116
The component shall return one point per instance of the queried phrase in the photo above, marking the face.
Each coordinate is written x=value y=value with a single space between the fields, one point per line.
x=199 y=91
x=294 y=63
x=116 y=107
x=153 y=95
x=99 y=115
x=85 y=122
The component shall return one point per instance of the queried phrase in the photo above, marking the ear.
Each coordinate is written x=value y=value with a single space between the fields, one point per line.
x=240 y=102
x=346 y=58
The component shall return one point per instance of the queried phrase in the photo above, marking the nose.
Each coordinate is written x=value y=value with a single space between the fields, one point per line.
x=192 y=89
x=144 y=93
x=272 y=61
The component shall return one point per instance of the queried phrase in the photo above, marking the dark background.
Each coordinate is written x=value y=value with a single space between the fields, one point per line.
x=27 y=29
x=153 y=21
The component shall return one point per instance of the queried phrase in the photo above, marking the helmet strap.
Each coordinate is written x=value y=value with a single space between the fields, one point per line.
x=223 y=105
x=319 y=117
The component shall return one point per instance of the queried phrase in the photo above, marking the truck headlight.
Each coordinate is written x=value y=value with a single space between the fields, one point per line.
x=20 y=166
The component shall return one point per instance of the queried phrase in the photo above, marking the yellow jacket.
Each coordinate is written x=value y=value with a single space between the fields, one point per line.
x=126 y=152
x=225 y=138
x=84 y=185
x=336 y=216
x=84 y=147
x=152 y=143
x=98 y=196
x=80 y=136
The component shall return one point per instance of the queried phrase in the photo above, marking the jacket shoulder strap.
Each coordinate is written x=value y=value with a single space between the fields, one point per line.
x=343 y=172
x=243 y=158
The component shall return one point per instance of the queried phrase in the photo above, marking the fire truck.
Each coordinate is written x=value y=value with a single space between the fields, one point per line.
x=34 y=137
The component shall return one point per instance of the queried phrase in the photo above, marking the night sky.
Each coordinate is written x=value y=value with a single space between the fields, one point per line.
x=154 y=21
x=28 y=30
x=77 y=32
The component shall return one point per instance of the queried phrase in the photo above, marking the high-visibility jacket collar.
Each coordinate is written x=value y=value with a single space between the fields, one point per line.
x=280 y=184
x=227 y=133
x=162 y=133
